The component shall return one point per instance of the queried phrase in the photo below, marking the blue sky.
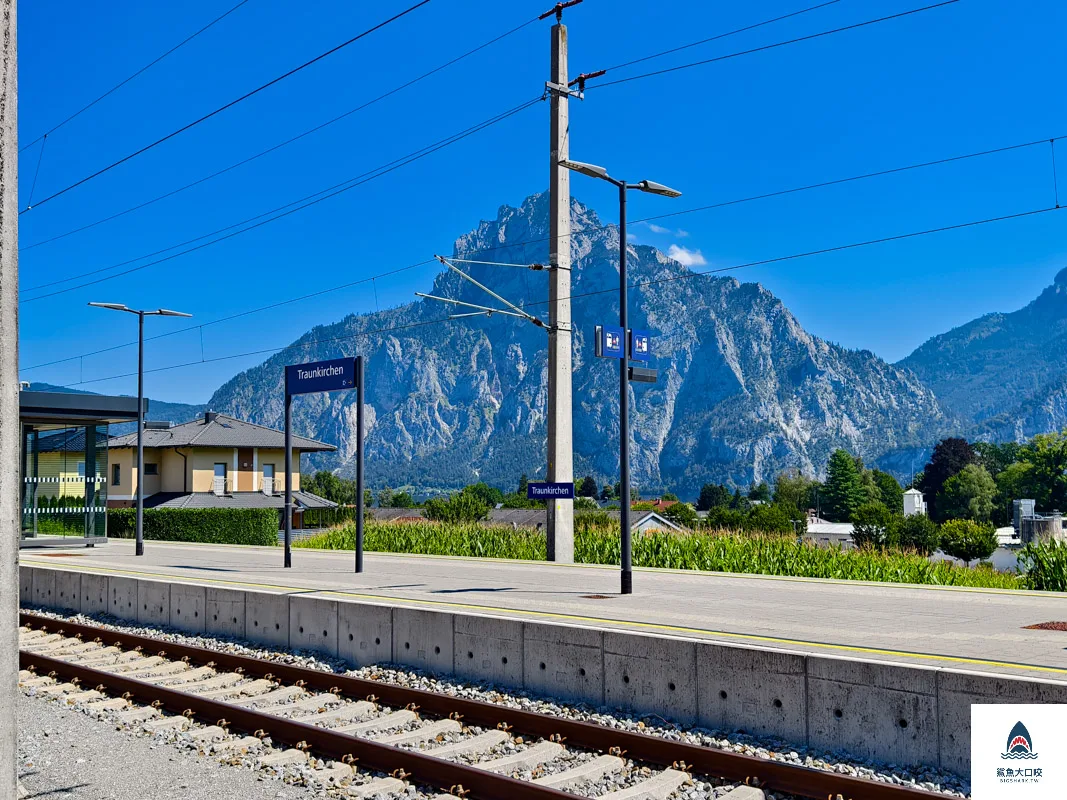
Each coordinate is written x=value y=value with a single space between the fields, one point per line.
x=974 y=75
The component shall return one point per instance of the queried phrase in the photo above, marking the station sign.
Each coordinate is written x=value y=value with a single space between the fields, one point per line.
x=542 y=490
x=640 y=345
x=321 y=376
x=610 y=341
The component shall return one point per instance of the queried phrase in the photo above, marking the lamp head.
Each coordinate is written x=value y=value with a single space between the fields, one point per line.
x=658 y=188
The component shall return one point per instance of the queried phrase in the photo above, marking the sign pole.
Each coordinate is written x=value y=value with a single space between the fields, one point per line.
x=359 y=464
x=288 y=474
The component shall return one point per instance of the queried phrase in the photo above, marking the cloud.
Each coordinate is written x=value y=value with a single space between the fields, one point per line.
x=681 y=234
x=631 y=237
x=658 y=228
x=687 y=257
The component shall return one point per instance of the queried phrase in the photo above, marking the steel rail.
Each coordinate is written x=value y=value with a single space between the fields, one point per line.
x=767 y=774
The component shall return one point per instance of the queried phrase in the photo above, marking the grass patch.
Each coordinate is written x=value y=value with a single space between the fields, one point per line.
x=712 y=552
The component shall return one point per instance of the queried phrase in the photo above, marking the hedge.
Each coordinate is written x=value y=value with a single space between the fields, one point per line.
x=211 y=525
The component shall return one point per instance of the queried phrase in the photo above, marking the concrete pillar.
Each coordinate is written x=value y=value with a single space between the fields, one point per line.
x=560 y=443
x=9 y=403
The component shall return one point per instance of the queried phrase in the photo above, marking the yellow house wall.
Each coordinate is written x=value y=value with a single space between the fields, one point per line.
x=65 y=467
x=194 y=474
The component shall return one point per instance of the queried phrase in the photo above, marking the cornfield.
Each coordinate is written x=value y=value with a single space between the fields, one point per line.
x=713 y=552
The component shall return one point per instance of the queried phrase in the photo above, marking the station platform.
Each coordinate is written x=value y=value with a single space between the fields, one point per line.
x=982 y=630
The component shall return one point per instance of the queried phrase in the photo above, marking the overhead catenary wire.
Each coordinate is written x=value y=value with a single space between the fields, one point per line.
x=763 y=48
x=280 y=212
x=286 y=143
x=139 y=72
x=229 y=105
x=524 y=243
x=718 y=36
x=636 y=285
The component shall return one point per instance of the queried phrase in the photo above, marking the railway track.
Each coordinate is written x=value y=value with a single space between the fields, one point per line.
x=466 y=748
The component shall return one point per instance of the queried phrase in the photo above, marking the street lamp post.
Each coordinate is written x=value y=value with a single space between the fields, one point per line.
x=141 y=314
x=593 y=171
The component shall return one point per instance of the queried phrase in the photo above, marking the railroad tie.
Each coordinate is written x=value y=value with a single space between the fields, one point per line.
x=58 y=689
x=114 y=704
x=476 y=744
x=243 y=744
x=659 y=787
x=361 y=709
x=32 y=683
x=382 y=723
x=584 y=773
x=77 y=698
x=208 y=733
x=334 y=774
x=744 y=793
x=377 y=786
x=250 y=689
x=159 y=670
x=138 y=714
x=277 y=696
x=530 y=758
x=283 y=758
x=177 y=723
x=424 y=734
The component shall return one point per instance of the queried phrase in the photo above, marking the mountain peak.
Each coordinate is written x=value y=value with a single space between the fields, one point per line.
x=1061 y=278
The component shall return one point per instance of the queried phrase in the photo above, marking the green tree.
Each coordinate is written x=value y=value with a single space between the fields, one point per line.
x=890 y=491
x=1047 y=455
x=587 y=487
x=523 y=481
x=583 y=503
x=669 y=496
x=871 y=525
x=996 y=457
x=793 y=489
x=713 y=496
x=385 y=497
x=842 y=493
x=401 y=500
x=739 y=503
x=916 y=532
x=368 y=498
x=949 y=457
x=769 y=518
x=682 y=514
x=967 y=540
x=969 y=493
x=760 y=492
x=721 y=518
x=488 y=495
x=461 y=507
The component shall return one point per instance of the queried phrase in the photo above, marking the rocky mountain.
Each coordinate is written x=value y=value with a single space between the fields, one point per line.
x=743 y=392
x=1002 y=376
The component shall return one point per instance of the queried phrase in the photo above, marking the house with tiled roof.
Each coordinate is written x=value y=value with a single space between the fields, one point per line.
x=215 y=461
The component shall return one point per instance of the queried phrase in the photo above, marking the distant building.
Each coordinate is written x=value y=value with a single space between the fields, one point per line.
x=1028 y=525
x=914 y=503
x=216 y=461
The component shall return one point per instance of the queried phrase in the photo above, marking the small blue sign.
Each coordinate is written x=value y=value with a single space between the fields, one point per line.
x=640 y=345
x=549 y=491
x=610 y=342
x=321 y=376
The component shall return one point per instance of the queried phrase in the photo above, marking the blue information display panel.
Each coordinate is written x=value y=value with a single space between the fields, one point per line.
x=549 y=491
x=321 y=376
x=610 y=341
x=640 y=345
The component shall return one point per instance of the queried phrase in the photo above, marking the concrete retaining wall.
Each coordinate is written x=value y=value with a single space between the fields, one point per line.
x=869 y=709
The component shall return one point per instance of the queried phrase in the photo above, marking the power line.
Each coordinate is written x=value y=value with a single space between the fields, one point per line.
x=122 y=83
x=230 y=104
x=639 y=284
x=772 y=46
x=287 y=142
x=721 y=36
x=279 y=212
x=698 y=209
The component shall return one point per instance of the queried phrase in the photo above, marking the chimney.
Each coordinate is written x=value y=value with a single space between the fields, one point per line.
x=210 y=416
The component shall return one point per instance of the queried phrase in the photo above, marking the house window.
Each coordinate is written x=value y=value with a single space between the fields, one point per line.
x=81 y=469
x=151 y=469
x=116 y=473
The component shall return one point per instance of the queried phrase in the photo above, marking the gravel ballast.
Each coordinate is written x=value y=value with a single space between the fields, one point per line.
x=918 y=777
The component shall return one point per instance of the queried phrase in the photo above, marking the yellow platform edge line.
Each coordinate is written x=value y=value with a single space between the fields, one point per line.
x=386 y=599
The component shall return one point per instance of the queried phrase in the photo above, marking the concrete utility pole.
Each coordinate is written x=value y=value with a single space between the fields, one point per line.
x=10 y=522
x=560 y=441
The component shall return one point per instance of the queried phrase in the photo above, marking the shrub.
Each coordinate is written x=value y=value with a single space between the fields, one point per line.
x=917 y=532
x=212 y=525
x=585 y=503
x=870 y=525
x=1045 y=566
x=682 y=514
x=967 y=540
x=461 y=507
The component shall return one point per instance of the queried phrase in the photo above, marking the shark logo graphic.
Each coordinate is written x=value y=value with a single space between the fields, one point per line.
x=1020 y=745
